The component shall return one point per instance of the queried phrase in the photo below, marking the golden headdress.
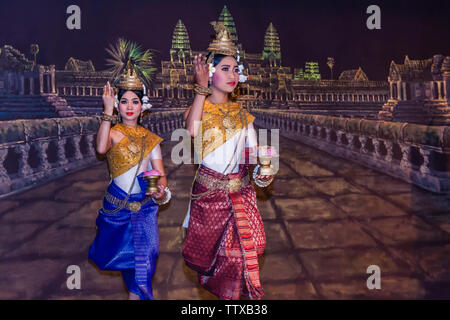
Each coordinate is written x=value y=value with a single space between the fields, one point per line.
x=131 y=68
x=128 y=60
x=129 y=79
x=222 y=44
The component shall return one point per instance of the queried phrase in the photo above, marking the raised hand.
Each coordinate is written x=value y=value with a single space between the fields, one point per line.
x=201 y=70
x=108 y=98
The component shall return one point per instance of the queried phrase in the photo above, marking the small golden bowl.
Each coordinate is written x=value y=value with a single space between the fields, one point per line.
x=152 y=178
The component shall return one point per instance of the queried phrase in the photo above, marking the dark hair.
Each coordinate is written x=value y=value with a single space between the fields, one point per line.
x=139 y=93
x=217 y=58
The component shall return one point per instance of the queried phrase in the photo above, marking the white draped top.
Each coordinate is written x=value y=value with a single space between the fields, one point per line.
x=223 y=155
x=125 y=180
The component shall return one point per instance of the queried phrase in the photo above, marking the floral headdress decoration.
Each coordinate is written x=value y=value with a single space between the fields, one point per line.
x=223 y=44
x=132 y=69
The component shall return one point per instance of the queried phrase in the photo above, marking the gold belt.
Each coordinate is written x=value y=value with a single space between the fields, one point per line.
x=134 y=206
x=230 y=185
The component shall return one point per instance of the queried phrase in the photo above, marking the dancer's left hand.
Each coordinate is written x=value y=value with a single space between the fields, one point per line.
x=158 y=195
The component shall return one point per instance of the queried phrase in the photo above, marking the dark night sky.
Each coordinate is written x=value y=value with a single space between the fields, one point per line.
x=308 y=30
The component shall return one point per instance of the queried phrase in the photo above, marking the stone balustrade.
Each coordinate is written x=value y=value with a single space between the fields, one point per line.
x=33 y=152
x=418 y=154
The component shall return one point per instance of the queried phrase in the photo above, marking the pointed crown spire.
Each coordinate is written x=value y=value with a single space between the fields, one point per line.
x=129 y=79
x=222 y=44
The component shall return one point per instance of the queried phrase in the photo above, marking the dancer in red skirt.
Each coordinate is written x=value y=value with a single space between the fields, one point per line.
x=225 y=234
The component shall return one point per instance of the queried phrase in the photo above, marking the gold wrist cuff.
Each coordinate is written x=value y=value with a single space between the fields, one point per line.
x=107 y=117
x=202 y=90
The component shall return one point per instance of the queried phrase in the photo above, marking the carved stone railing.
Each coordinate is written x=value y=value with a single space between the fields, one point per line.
x=33 y=152
x=165 y=122
x=418 y=154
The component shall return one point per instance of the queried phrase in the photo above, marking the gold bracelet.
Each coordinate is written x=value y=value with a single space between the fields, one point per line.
x=107 y=117
x=202 y=90
x=167 y=197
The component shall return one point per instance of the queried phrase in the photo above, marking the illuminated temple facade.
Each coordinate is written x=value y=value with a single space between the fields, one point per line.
x=270 y=84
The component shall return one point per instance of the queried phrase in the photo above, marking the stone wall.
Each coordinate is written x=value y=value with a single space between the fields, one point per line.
x=33 y=152
x=418 y=154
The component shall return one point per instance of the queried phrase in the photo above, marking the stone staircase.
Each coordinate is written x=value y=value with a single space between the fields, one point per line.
x=34 y=107
x=85 y=105
x=412 y=111
x=60 y=105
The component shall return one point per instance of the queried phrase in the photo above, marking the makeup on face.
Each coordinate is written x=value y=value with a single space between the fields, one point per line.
x=130 y=104
x=227 y=74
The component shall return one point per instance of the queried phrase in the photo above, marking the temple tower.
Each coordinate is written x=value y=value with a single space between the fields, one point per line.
x=181 y=47
x=272 y=50
x=228 y=21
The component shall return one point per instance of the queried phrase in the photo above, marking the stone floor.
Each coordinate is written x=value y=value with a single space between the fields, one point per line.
x=326 y=221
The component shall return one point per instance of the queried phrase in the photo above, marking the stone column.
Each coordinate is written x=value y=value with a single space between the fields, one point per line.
x=405 y=96
x=376 y=145
x=339 y=134
x=5 y=181
x=76 y=143
x=406 y=156
x=90 y=139
x=299 y=127
x=16 y=83
x=426 y=154
x=328 y=134
x=49 y=90
x=399 y=90
x=349 y=138
x=389 y=149
x=439 y=90
x=42 y=147
x=22 y=84
x=432 y=95
x=62 y=160
x=24 y=167
x=41 y=79
x=52 y=76
x=363 y=140
x=31 y=85
x=446 y=78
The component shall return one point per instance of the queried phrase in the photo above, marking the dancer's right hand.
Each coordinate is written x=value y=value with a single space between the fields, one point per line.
x=108 y=98
x=201 y=70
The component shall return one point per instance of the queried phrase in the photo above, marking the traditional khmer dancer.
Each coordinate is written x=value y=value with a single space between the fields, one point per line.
x=127 y=237
x=225 y=234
